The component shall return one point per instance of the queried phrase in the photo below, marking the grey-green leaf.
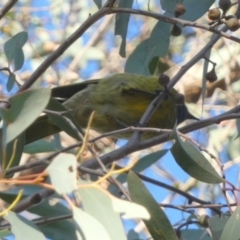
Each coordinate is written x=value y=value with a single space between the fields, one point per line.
x=168 y=5
x=231 y=230
x=23 y=228
x=193 y=162
x=13 y=50
x=25 y=107
x=85 y=222
x=216 y=225
x=4 y=233
x=193 y=234
x=121 y=25
x=144 y=163
x=157 y=45
x=158 y=226
x=11 y=81
x=39 y=146
x=195 y=9
x=99 y=206
x=62 y=172
x=98 y=3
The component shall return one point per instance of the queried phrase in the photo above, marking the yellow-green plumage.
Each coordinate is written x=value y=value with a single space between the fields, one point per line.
x=118 y=101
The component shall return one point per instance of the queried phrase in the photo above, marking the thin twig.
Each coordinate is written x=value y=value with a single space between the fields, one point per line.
x=4 y=10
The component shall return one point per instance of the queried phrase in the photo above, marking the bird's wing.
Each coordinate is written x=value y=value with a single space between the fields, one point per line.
x=63 y=93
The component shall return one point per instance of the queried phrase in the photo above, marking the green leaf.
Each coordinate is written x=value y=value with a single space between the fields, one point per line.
x=193 y=162
x=11 y=194
x=121 y=25
x=98 y=3
x=60 y=230
x=143 y=163
x=39 y=146
x=232 y=230
x=52 y=207
x=23 y=228
x=25 y=107
x=158 y=66
x=129 y=210
x=155 y=46
x=85 y=222
x=63 y=173
x=140 y=166
x=168 y=5
x=196 y=9
x=193 y=234
x=11 y=81
x=99 y=205
x=46 y=208
x=216 y=225
x=158 y=43
x=132 y=235
x=4 y=233
x=153 y=65
x=158 y=226
x=13 y=50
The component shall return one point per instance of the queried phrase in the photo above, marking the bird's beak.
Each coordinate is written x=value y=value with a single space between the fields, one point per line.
x=183 y=113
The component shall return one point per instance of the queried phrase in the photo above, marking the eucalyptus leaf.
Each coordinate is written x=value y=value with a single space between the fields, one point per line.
x=39 y=146
x=158 y=226
x=86 y=222
x=25 y=107
x=216 y=225
x=155 y=46
x=231 y=230
x=196 y=9
x=60 y=230
x=11 y=81
x=121 y=25
x=22 y=228
x=63 y=173
x=143 y=163
x=193 y=162
x=98 y=3
x=99 y=205
x=168 y=5
x=193 y=234
x=13 y=50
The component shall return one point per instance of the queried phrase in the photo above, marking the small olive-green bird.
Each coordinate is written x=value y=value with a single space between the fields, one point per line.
x=118 y=101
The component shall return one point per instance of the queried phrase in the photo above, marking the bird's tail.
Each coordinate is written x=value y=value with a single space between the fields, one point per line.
x=41 y=128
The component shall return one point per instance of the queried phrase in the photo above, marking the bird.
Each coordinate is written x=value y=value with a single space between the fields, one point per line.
x=118 y=101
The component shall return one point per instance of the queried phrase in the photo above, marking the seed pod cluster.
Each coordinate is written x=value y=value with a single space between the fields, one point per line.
x=216 y=16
